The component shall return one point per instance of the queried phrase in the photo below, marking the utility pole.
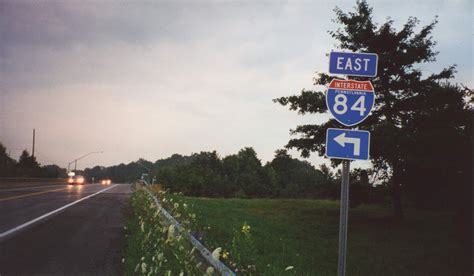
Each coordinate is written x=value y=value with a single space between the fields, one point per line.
x=33 y=151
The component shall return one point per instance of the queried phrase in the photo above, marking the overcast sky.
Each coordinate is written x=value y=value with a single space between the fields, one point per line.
x=149 y=79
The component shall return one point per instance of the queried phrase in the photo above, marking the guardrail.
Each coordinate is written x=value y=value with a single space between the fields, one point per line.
x=205 y=253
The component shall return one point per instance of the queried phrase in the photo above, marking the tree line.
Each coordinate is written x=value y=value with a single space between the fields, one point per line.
x=26 y=166
x=243 y=175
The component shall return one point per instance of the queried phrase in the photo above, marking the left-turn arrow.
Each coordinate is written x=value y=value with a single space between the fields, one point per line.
x=341 y=139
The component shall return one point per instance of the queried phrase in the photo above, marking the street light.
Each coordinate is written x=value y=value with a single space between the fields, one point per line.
x=79 y=158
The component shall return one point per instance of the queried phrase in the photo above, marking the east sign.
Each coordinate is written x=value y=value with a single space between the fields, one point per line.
x=353 y=64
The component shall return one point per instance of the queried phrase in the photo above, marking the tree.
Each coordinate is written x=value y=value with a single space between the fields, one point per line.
x=7 y=164
x=28 y=166
x=296 y=178
x=400 y=89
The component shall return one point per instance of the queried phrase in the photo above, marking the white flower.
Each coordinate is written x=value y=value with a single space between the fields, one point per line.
x=171 y=231
x=160 y=256
x=289 y=268
x=210 y=270
x=176 y=205
x=185 y=206
x=123 y=260
x=181 y=274
x=216 y=254
x=143 y=267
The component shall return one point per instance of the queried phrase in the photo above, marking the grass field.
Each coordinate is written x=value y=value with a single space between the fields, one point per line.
x=304 y=234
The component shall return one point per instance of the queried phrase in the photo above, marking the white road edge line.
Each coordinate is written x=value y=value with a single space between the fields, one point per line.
x=19 y=227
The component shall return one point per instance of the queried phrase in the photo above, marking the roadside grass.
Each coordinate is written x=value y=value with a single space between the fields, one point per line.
x=153 y=247
x=297 y=237
x=303 y=234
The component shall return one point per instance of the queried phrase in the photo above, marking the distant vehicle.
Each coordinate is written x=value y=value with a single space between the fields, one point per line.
x=76 y=179
x=106 y=182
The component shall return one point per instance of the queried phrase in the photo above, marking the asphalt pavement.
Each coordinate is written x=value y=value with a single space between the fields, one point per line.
x=62 y=229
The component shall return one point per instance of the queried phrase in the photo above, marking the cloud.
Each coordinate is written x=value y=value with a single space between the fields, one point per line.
x=149 y=79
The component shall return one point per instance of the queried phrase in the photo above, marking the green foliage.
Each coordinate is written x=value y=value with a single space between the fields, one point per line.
x=409 y=106
x=243 y=251
x=242 y=175
x=154 y=247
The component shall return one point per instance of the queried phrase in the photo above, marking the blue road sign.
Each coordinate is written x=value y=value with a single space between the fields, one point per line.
x=349 y=101
x=353 y=64
x=347 y=144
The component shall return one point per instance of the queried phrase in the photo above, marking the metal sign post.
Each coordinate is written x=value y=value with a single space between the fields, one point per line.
x=344 y=213
x=349 y=102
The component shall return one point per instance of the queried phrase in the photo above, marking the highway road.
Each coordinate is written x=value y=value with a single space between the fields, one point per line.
x=62 y=229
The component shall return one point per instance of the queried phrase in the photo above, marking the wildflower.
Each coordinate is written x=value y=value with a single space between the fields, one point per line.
x=246 y=228
x=210 y=270
x=123 y=260
x=171 y=232
x=185 y=206
x=143 y=267
x=160 y=256
x=199 y=265
x=216 y=254
x=225 y=254
x=289 y=268
x=181 y=273
x=176 y=205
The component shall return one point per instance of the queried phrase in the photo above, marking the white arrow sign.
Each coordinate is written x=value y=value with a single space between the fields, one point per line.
x=341 y=139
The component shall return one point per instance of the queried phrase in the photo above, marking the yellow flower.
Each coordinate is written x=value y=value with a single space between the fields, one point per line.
x=225 y=254
x=246 y=228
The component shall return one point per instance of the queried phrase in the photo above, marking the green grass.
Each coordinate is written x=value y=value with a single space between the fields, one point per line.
x=304 y=234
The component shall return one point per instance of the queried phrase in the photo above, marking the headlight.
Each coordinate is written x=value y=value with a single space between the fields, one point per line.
x=109 y=181
x=80 y=180
x=70 y=180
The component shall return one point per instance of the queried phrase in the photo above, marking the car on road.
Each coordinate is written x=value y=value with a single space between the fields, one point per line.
x=106 y=182
x=76 y=179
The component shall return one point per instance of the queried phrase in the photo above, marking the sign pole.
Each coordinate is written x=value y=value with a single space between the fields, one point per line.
x=344 y=209
x=349 y=102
